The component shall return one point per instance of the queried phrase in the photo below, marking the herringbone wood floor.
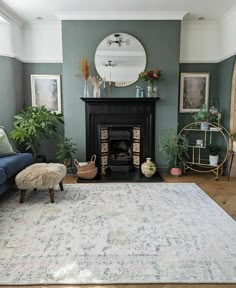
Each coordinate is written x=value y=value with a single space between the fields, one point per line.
x=223 y=192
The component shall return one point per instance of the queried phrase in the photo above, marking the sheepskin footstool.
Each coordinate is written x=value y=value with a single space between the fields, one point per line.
x=41 y=176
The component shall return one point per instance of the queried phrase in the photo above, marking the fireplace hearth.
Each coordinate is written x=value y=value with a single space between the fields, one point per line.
x=121 y=132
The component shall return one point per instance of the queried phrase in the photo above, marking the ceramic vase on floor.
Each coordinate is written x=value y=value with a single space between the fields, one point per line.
x=148 y=168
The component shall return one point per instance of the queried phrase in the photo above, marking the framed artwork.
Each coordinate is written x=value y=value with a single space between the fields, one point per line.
x=46 y=91
x=194 y=91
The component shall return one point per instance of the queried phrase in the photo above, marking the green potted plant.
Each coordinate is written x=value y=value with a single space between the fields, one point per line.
x=174 y=149
x=202 y=116
x=214 y=151
x=65 y=150
x=34 y=124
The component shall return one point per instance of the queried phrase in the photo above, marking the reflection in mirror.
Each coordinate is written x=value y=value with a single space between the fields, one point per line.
x=119 y=59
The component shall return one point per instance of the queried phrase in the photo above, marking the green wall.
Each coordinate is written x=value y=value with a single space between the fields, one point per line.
x=161 y=40
x=224 y=80
x=47 y=147
x=186 y=118
x=220 y=87
x=35 y=69
x=11 y=95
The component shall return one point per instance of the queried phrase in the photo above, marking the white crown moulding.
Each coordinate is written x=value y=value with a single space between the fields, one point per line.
x=9 y=15
x=121 y=15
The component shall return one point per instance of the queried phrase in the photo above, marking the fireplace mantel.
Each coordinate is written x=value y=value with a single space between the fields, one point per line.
x=120 y=112
x=119 y=99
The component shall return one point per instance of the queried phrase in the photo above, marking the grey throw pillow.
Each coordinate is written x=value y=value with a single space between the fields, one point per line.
x=6 y=147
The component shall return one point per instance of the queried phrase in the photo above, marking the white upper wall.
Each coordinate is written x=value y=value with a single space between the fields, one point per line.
x=201 y=41
x=208 y=41
x=42 y=43
x=227 y=35
x=6 y=46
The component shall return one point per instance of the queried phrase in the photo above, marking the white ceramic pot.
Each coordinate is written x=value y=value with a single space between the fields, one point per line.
x=204 y=125
x=234 y=146
x=148 y=168
x=213 y=160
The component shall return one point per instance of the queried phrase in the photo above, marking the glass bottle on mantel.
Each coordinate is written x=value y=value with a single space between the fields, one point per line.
x=86 y=92
x=152 y=89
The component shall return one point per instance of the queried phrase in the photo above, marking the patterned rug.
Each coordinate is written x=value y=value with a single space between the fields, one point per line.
x=116 y=233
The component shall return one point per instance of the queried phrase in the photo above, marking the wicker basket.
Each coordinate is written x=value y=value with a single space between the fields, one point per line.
x=87 y=171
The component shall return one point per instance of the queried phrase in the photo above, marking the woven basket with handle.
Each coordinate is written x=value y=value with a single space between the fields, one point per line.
x=88 y=170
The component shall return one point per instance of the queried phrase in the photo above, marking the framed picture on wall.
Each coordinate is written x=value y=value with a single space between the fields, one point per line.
x=194 y=91
x=46 y=91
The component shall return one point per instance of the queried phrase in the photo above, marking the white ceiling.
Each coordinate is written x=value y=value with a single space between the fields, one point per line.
x=28 y=10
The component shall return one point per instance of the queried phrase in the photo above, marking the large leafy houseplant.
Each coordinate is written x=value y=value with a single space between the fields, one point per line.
x=34 y=124
x=66 y=148
x=173 y=148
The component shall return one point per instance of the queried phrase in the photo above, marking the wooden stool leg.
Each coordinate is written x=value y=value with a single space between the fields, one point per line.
x=61 y=185
x=51 y=194
x=22 y=196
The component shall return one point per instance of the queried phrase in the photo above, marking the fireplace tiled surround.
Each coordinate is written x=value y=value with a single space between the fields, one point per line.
x=120 y=131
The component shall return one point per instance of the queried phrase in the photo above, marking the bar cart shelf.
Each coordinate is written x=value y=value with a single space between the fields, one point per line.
x=198 y=154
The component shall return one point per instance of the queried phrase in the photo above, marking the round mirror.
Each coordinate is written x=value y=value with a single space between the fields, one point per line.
x=119 y=59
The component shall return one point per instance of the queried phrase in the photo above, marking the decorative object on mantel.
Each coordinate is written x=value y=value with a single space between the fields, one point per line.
x=148 y=168
x=85 y=72
x=152 y=77
x=96 y=81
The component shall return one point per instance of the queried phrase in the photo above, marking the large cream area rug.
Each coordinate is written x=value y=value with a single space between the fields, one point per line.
x=117 y=233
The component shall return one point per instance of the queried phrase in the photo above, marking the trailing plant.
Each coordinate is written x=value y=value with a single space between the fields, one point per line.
x=66 y=148
x=34 y=124
x=173 y=148
x=214 y=149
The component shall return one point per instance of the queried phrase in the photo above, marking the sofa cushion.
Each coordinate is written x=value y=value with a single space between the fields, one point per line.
x=3 y=176
x=6 y=146
x=15 y=163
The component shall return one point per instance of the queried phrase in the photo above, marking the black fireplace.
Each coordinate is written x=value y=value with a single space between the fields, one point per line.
x=120 y=131
x=120 y=149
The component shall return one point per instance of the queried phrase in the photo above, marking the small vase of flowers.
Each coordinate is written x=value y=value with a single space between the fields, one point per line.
x=96 y=82
x=152 y=77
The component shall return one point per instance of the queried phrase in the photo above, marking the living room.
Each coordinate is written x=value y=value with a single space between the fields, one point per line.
x=181 y=39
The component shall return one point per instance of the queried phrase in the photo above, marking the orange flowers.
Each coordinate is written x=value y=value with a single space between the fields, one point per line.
x=151 y=76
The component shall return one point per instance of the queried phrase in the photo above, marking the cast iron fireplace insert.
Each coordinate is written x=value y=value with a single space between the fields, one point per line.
x=121 y=132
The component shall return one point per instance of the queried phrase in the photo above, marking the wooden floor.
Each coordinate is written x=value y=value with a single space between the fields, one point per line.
x=222 y=191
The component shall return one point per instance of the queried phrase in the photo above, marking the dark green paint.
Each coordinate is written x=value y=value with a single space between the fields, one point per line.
x=161 y=40
x=48 y=147
x=186 y=118
x=11 y=96
x=224 y=80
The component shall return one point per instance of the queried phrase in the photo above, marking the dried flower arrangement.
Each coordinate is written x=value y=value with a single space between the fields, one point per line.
x=85 y=68
x=96 y=82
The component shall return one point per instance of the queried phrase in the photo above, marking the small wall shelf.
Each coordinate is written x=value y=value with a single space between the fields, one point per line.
x=197 y=162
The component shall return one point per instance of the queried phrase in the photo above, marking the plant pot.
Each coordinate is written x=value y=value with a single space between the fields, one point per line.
x=148 y=168
x=176 y=171
x=67 y=162
x=213 y=160
x=204 y=125
x=234 y=146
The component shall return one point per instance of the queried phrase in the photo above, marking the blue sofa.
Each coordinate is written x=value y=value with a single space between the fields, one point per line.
x=10 y=166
